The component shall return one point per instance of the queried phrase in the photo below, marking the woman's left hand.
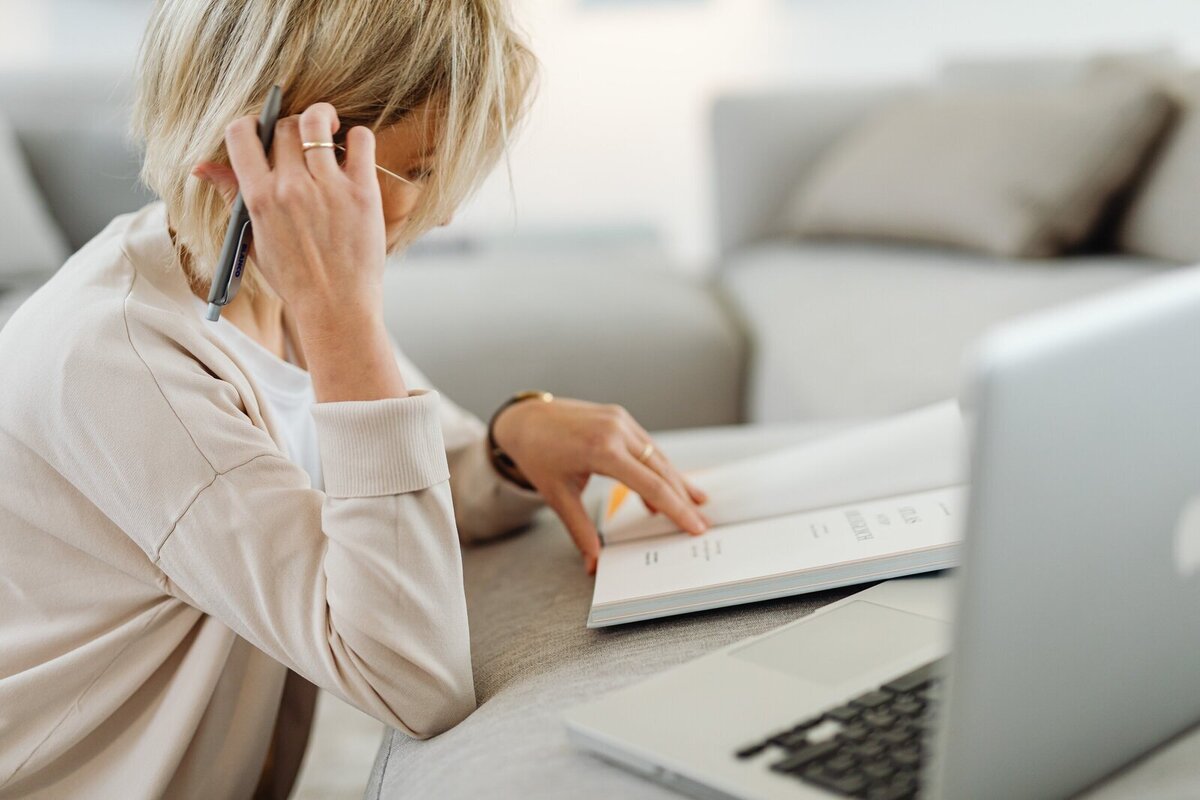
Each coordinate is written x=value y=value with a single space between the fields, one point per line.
x=559 y=445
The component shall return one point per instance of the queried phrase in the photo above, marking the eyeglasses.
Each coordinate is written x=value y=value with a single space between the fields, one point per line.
x=385 y=170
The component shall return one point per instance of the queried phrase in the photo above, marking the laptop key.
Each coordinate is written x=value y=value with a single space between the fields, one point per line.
x=841 y=762
x=871 y=699
x=869 y=749
x=915 y=679
x=846 y=784
x=879 y=719
x=844 y=713
x=794 y=740
x=802 y=758
x=752 y=750
x=855 y=732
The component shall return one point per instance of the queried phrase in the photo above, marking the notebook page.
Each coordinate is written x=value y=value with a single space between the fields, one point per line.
x=812 y=540
x=921 y=450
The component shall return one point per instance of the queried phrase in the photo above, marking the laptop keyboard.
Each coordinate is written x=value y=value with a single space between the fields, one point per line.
x=872 y=747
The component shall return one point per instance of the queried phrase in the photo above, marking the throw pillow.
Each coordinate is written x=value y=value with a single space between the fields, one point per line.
x=1023 y=173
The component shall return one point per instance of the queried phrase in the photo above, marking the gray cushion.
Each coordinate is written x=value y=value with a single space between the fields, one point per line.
x=1020 y=173
x=866 y=330
x=1164 y=218
x=32 y=243
x=72 y=126
x=627 y=333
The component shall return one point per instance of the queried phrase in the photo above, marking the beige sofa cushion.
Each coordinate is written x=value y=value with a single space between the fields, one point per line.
x=1164 y=218
x=1019 y=173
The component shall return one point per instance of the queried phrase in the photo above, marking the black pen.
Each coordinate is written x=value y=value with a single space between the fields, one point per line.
x=228 y=276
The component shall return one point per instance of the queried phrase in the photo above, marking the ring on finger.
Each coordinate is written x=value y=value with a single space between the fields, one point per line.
x=306 y=146
x=647 y=452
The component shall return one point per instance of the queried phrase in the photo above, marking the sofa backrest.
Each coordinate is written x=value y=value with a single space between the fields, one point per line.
x=764 y=142
x=73 y=129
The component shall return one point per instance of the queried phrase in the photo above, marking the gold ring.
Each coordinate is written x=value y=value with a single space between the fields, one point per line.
x=647 y=451
x=306 y=146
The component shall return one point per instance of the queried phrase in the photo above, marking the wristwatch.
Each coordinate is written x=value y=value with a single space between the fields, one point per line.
x=501 y=460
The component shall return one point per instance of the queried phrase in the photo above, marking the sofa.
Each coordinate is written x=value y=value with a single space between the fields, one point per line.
x=784 y=328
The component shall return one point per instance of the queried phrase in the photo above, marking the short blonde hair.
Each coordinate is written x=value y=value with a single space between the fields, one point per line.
x=203 y=63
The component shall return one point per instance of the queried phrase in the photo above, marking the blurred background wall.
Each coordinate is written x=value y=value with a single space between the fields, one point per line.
x=617 y=145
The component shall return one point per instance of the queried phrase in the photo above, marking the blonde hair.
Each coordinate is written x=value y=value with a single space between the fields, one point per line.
x=204 y=63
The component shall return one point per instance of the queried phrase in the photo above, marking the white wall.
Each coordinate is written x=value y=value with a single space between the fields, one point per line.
x=619 y=133
x=621 y=129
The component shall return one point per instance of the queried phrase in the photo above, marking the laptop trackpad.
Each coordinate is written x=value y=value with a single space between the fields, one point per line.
x=840 y=645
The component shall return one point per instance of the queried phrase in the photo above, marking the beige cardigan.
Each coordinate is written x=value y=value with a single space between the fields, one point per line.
x=163 y=565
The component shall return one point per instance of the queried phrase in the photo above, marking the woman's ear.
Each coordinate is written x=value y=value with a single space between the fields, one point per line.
x=220 y=176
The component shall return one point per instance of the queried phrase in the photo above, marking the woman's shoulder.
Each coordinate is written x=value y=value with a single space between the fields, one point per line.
x=113 y=339
x=115 y=290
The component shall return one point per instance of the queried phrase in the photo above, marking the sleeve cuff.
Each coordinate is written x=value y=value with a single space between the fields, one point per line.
x=381 y=447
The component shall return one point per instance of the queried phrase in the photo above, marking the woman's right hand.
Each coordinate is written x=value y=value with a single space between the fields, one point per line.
x=320 y=243
x=318 y=226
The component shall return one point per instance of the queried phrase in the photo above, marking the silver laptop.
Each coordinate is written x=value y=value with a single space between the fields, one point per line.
x=1074 y=644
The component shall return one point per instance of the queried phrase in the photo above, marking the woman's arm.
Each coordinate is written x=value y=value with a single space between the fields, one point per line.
x=359 y=589
x=486 y=504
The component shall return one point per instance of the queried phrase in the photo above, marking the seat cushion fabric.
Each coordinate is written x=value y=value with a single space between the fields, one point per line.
x=856 y=330
x=636 y=334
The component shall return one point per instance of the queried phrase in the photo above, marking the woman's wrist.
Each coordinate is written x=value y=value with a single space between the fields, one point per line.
x=349 y=356
x=501 y=436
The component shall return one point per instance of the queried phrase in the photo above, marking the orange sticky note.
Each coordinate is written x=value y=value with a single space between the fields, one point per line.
x=619 y=493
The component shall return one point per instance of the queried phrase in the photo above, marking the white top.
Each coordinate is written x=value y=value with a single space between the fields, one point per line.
x=286 y=388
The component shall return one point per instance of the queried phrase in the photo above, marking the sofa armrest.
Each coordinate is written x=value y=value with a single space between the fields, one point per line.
x=765 y=142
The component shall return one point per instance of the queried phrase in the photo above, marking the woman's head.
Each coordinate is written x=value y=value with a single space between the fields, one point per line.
x=443 y=83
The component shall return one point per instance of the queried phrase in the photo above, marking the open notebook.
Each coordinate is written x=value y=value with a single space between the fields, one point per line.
x=879 y=501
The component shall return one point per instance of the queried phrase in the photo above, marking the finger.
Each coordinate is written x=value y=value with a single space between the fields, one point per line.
x=659 y=463
x=692 y=492
x=245 y=151
x=220 y=177
x=319 y=123
x=285 y=150
x=360 y=155
x=579 y=525
x=652 y=487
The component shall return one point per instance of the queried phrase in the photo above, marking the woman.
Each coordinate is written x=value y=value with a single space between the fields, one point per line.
x=172 y=576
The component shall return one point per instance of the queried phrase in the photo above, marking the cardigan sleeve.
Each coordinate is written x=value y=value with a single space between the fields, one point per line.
x=486 y=504
x=358 y=589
